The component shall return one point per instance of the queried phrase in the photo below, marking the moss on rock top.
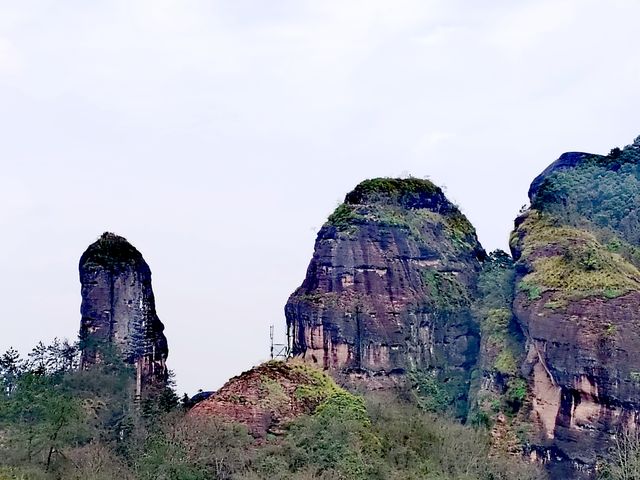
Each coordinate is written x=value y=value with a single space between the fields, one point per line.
x=110 y=251
x=570 y=262
x=411 y=204
x=408 y=192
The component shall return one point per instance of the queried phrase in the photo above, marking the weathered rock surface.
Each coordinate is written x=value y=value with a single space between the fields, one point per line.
x=118 y=309
x=390 y=285
x=583 y=364
x=578 y=302
x=269 y=396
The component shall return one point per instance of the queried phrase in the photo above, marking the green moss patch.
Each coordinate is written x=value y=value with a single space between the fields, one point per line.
x=496 y=321
x=506 y=363
x=343 y=404
x=533 y=291
x=424 y=226
x=582 y=272
x=274 y=394
x=413 y=205
x=541 y=230
x=345 y=216
x=445 y=291
x=327 y=299
x=516 y=390
x=501 y=344
x=556 y=304
x=576 y=264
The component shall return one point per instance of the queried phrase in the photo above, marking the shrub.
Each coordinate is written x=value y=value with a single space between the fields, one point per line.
x=506 y=363
x=431 y=394
x=623 y=459
x=410 y=192
x=516 y=390
x=533 y=291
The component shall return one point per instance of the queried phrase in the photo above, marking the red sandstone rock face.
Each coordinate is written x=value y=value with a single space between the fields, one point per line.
x=268 y=397
x=584 y=367
x=389 y=286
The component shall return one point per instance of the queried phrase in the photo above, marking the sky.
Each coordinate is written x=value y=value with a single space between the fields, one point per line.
x=217 y=136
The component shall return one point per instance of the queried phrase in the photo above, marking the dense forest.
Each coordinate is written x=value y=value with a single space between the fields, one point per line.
x=59 y=422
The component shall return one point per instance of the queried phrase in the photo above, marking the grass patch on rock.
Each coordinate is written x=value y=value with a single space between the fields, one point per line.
x=570 y=262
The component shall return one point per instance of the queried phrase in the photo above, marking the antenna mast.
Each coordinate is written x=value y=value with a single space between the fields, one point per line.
x=277 y=351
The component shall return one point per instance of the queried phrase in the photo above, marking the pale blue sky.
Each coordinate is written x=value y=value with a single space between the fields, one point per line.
x=218 y=135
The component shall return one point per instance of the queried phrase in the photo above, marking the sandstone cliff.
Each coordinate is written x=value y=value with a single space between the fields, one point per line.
x=390 y=286
x=578 y=302
x=118 y=310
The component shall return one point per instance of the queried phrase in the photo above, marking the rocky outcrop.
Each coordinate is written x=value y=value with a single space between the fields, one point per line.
x=566 y=161
x=118 y=310
x=390 y=286
x=268 y=397
x=578 y=302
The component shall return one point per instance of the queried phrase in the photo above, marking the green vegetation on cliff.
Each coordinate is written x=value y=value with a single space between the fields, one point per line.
x=604 y=190
x=579 y=237
x=501 y=337
x=318 y=388
x=440 y=392
x=445 y=291
x=570 y=262
x=344 y=217
x=498 y=390
x=390 y=201
x=413 y=205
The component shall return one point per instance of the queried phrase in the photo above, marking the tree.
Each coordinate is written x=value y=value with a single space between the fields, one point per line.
x=624 y=457
x=69 y=356
x=38 y=418
x=38 y=357
x=11 y=366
